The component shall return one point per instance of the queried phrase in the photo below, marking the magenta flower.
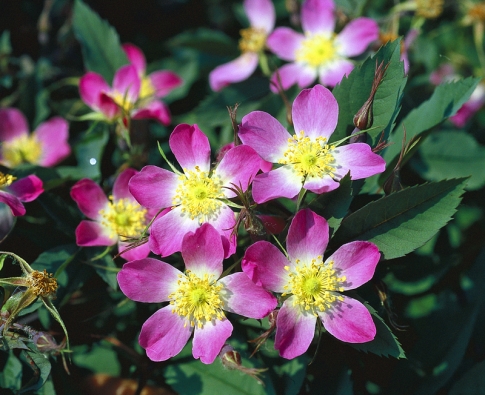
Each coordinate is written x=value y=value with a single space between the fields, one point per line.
x=46 y=146
x=307 y=159
x=196 y=195
x=13 y=193
x=111 y=220
x=319 y=52
x=261 y=15
x=311 y=287
x=197 y=298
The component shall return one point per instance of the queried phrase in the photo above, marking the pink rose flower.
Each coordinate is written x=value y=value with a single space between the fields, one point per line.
x=13 y=193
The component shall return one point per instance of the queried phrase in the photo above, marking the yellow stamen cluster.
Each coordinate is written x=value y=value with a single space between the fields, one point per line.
x=197 y=194
x=6 y=179
x=429 y=9
x=124 y=217
x=122 y=101
x=310 y=158
x=197 y=299
x=314 y=285
x=317 y=50
x=477 y=12
x=24 y=149
x=252 y=40
x=147 y=89
x=42 y=283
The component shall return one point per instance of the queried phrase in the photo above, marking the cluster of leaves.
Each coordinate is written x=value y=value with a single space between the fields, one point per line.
x=425 y=297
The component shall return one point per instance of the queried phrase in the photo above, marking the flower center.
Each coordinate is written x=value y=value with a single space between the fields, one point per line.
x=252 y=39
x=314 y=285
x=121 y=99
x=6 y=179
x=316 y=50
x=20 y=150
x=42 y=283
x=310 y=158
x=477 y=12
x=197 y=299
x=197 y=194
x=147 y=89
x=124 y=217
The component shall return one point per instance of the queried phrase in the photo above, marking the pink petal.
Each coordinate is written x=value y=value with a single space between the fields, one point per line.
x=238 y=167
x=356 y=261
x=191 y=147
x=13 y=202
x=154 y=187
x=108 y=107
x=164 y=82
x=12 y=124
x=284 y=42
x=265 y=135
x=333 y=72
x=356 y=36
x=89 y=197
x=291 y=74
x=243 y=297
x=236 y=70
x=156 y=110
x=127 y=83
x=282 y=182
x=317 y=16
x=148 y=280
x=91 y=85
x=168 y=231
x=321 y=185
x=91 y=233
x=224 y=223
x=53 y=135
x=27 y=188
x=139 y=252
x=209 y=339
x=202 y=251
x=349 y=321
x=164 y=334
x=307 y=236
x=265 y=265
x=120 y=186
x=315 y=111
x=359 y=159
x=261 y=14
x=136 y=57
x=294 y=330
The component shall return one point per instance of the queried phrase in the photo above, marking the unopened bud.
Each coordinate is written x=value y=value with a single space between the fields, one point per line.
x=230 y=358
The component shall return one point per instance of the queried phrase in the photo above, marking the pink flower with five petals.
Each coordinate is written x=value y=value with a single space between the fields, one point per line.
x=13 y=192
x=319 y=52
x=312 y=286
x=197 y=298
x=198 y=194
x=46 y=146
x=261 y=15
x=111 y=220
x=307 y=159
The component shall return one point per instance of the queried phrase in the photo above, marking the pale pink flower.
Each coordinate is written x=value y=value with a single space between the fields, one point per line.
x=307 y=160
x=319 y=52
x=111 y=220
x=312 y=287
x=13 y=192
x=198 y=194
x=261 y=15
x=46 y=146
x=197 y=298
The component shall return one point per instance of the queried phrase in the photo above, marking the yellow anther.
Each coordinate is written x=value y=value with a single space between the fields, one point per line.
x=317 y=50
x=124 y=217
x=24 y=149
x=252 y=40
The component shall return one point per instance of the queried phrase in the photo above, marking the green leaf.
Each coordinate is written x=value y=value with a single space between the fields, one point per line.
x=100 y=358
x=354 y=90
x=385 y=343
x=11 y=374
x=472 y=382
x=99 y=41
x=206 y=40
x=451 y=154
x=405 y=220
x=41 y=367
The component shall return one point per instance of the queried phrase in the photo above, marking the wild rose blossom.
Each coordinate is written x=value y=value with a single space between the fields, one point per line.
x=307 y=159
x=261 y=15
x=319 y=52
x=13 y=192
x=197 y=298
x=311 y=287
x=111 y=219
x=196 y=195
x=46 y=146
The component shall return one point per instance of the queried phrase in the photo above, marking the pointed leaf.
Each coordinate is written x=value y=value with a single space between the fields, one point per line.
x=405 y=220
